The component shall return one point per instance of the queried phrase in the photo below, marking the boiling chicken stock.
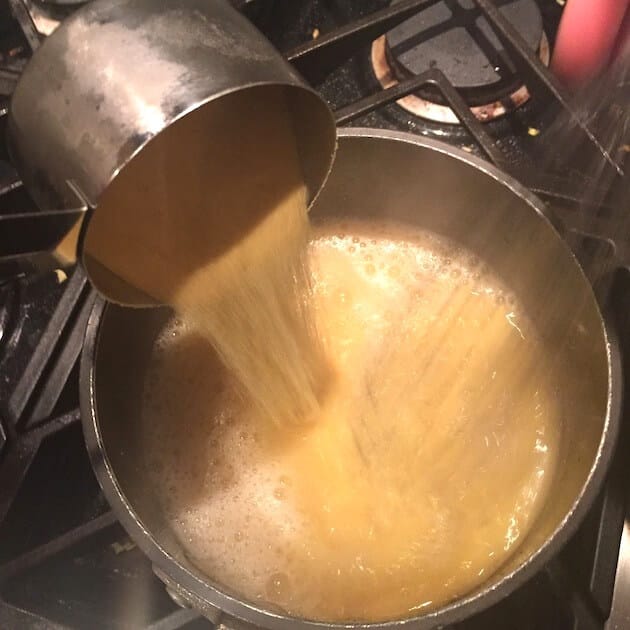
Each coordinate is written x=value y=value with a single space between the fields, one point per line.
x=424 y=467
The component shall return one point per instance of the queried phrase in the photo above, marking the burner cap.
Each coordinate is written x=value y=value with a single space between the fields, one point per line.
x=453 y=36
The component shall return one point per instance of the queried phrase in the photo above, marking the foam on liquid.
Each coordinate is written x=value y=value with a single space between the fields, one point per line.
x=427 y=464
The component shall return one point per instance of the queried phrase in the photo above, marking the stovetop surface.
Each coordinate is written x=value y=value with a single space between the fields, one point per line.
x=65 y=562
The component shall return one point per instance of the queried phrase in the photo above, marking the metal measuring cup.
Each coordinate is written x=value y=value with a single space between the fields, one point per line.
x=118 y=73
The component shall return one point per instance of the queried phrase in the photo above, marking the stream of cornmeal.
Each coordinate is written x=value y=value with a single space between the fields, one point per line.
x=211 y=218
x=424 y=469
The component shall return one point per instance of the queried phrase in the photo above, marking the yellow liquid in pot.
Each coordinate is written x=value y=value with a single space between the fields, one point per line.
x=426 y=467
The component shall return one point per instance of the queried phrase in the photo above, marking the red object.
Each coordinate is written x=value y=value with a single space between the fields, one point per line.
x=591 y=33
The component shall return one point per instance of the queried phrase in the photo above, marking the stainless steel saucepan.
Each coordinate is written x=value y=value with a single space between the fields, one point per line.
x=379 y=174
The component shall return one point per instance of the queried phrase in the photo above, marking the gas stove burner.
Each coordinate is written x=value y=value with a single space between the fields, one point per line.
x=453 y=36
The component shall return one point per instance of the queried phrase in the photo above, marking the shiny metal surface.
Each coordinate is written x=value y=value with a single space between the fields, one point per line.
x=378 y=175
x=45 y=21
x=620 y=612
x=118 y=72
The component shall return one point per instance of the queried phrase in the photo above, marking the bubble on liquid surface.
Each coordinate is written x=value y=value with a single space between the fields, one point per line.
x=278 y=586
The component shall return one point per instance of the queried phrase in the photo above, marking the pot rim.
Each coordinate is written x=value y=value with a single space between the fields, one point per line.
x=213 y=601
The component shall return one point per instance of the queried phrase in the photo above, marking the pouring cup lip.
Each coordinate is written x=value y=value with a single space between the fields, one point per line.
x=235 y=89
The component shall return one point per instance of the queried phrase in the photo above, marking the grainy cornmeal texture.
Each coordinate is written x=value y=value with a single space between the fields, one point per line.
x=423 y=469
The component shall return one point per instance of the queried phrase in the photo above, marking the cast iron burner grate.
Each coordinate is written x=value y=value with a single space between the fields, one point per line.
x=64 y=560
x=455 y=37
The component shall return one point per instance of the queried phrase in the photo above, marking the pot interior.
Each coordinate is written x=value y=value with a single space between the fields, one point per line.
x=423 y=186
